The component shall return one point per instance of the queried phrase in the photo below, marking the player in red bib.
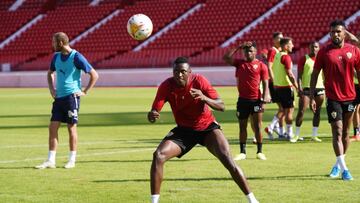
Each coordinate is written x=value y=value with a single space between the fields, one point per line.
x=339 y=61
x=277 y=123
x=190 y=96
x=249 y=73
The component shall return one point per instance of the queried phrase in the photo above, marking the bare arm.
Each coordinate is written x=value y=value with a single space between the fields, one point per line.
x=352 y=38
x=313 y=81
x=300 y=72
x=292 y=78
x=228 y=56
x=93 y=78
x=266 y=94
x=271 y=73
x=216 y=104
x=50 y=80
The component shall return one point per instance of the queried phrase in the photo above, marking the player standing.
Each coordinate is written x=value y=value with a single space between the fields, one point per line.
x=284 y=82
x=67 y=63
x=277 y=122
x=339 y=61
x=305 y=68
x=249 y=73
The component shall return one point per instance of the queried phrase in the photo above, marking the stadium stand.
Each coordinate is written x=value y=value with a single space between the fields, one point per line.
x=197 y=36
x=304 y=21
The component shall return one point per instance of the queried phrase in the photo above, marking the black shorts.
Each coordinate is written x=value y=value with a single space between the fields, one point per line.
x=335 y=109
x=273 y=94
x=286 y=96
x=187 y=138
x=66 y=109
x=317 y=92
x=245 y=107
x=357 y=99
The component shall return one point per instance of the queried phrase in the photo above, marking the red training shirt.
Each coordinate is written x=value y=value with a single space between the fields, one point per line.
x=338 y=66
x=271 y=54
x=187 y=111
x=249 y=75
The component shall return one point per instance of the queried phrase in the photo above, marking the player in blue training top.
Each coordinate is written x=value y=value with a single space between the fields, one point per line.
x=67 y=63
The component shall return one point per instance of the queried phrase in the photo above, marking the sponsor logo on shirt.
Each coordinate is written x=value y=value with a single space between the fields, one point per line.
x=255 y=66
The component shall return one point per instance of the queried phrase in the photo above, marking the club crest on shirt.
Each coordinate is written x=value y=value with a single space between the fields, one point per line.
x=349 y=55
x=333 y=114
x=255 y=66
x=340 y=58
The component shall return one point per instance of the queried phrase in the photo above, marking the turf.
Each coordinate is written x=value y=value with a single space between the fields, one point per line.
x=115 y=151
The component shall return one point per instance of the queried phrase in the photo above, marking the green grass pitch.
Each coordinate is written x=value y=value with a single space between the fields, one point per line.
x=115 y=151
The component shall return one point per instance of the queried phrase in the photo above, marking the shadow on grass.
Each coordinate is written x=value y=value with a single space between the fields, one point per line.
x=119 y=119
x=235 y=141
x=17 y=167
x=290 y=178
x=140 y=161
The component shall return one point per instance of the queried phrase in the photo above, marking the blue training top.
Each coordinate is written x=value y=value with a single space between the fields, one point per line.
x=68 y=72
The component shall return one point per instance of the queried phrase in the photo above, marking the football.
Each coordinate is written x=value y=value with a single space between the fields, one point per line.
x=139 y=26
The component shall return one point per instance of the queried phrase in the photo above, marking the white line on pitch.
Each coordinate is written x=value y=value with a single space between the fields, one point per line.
x=65 y=144
x=80 y=155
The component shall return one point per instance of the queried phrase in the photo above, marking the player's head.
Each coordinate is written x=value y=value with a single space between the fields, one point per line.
x=337 y=32
x=249 y=49
x=276 y=38
x=60 y=40
x=314 y=48
x=264 y=53
x=181 y=71
x=286 y=44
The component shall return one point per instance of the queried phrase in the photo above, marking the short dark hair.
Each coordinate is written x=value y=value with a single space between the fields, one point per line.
x=248 y=45
x=181 y=59
x=337 y=22
x=284 y=41
x=276 y=34
x=313 y=42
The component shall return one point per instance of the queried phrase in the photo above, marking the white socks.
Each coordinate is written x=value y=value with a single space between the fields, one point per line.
x=51 y=156
x=251 y=198
x=273 y=123
x=315 y=131
x=155 y=198
x=340 y=160
x=297 y=131
x=289 y=130
x=72 y=156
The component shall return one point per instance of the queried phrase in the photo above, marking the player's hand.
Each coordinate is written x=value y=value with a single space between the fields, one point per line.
x=300 y=93
x=313 y=105
x=53 y=93
x=197 y=94
x=79 y=94
x=153 y=115
x=267 y=98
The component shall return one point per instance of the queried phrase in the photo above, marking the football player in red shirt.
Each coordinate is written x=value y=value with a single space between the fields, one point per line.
x=356 y=119
x=277 y=123
x=249 y=73
x=190 y=96
x=339 y=61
